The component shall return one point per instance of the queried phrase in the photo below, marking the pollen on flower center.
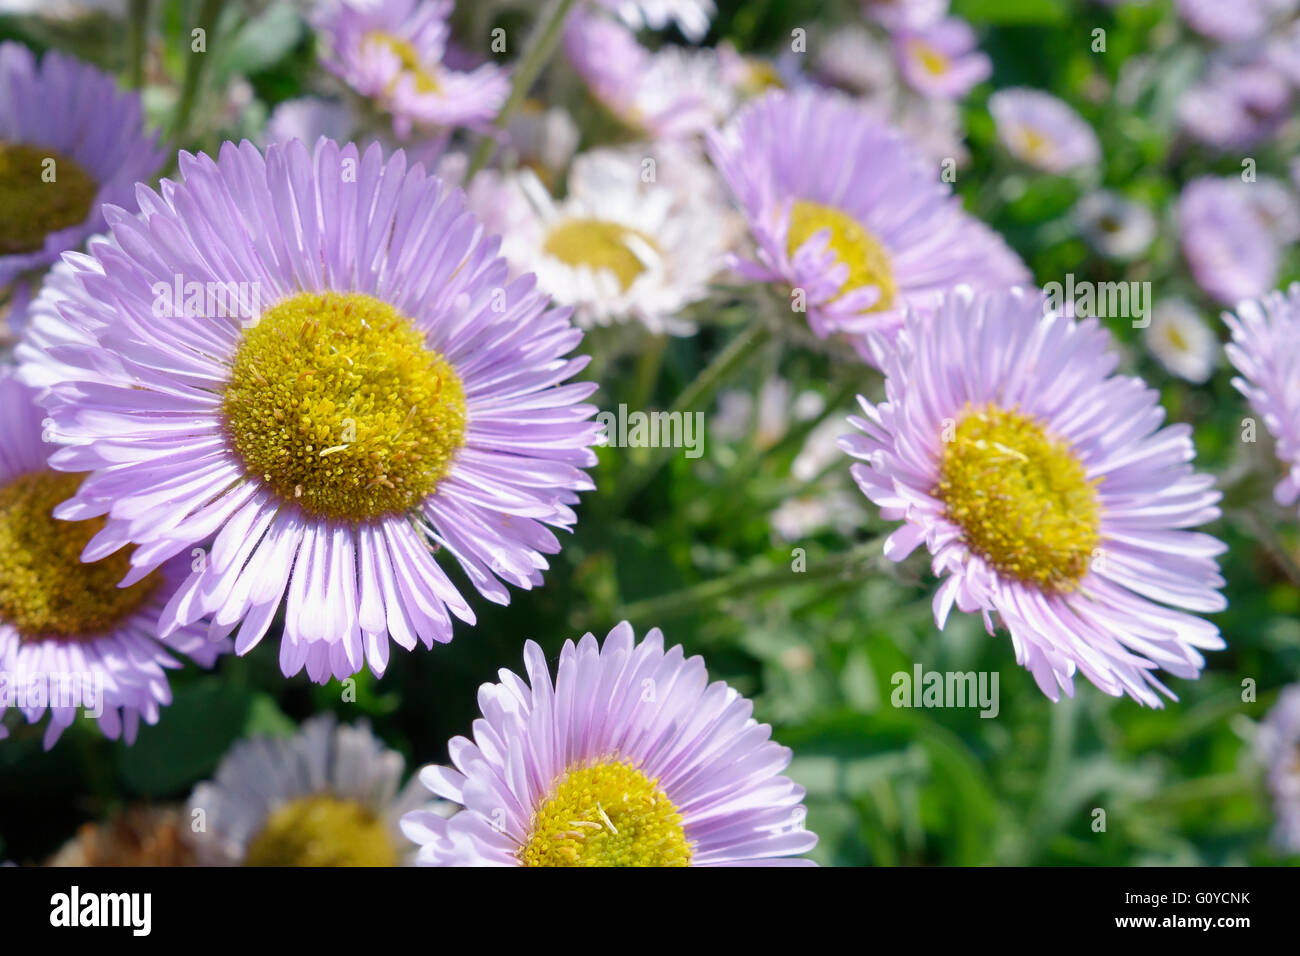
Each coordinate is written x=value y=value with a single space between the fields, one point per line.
x=336 y=403
x=426 y=81
x=46 y=591
x=41 y=191
x=1021 y=497
x=863 y=253
x=934 y=61
x=322 y=830
x=598 y=244
x=608 y=814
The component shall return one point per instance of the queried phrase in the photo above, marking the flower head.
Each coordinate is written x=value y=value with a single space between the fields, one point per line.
x=1264 y=335
x=1236 y=107
x=393 y=53
x=943 y=59
x=630 y=758
x=637 y=235
x=1042 y=131
x=690 y=16
x=1233 y=22
x=1233 y=255
x=1046 y=492
x=1182 y=341
x=1116 y=227
x=70 y=638
x=1279 y=749
x=318 y=359
x=670 y=93
x=844 y=210
x=327 y=796
x=69 y=142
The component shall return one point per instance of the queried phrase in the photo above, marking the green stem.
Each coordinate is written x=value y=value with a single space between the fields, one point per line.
x=541 y=45
x=137 y=39
x=209 y=10
x=698 y=393
x=744 y=582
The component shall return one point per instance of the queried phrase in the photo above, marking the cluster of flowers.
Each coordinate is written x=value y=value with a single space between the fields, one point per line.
x=407 y=398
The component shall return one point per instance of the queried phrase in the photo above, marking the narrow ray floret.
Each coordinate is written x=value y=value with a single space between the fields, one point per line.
x=71 y=640
x=354 y=387
x=69 y=141
x=1047 y=493
x=1265 y=333
x=851 y=217
x=327 y=796
x=630 y=758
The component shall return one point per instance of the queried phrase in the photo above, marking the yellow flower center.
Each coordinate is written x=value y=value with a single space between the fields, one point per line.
x=598 y=244
x=45 y=589
x=932 y=59
x=1033 y=144
x=608 y=814
x=863 y=253
x=322 y=830
x=41 y=191
x=426 y=80
x=336 y=402
x=761 y=76
x=1022 y=498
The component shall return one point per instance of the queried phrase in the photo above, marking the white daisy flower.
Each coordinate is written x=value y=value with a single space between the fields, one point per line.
x=1181 y=340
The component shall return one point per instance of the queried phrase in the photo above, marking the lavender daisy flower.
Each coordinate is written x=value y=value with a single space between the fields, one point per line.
x=942 y=60
x=844 y=209
x=1182 y=341
x=690 y=16
x=1283 y=52
x=1042 y=131
x=672 y=93
x=1236 y=21
x=320 y=360
x=905 y=14
x=69 y=141
x=631 y=758
x=1263 y=350
x=327 y=796
x=1047 y=493
x=854 y=60
x=1232 y=255
x=70 y=639
x=392 y=52
x=1236 y=107
x=619 y=247
x=1116 y=227
x=1278 y=746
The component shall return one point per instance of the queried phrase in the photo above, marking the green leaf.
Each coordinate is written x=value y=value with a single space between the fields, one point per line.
x=1011 y=11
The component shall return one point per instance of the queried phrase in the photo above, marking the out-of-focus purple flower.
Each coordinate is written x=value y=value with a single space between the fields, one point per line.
x=1042 y=131
x=392 y=52
x=1263 y=350
x=941 y=60
x=1231 y=254
x=905 y=14
x=1278 y=746
x=855 y=60
x=671 y=93
x=1232 y=21
x=1236 y=107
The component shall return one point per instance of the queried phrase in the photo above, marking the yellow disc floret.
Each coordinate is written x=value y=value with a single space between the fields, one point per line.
x=46 y=592
x=1022 y=498
x=598 y=245
x=336 y=402
x=863 y=253
x=426 y=81
x=322 y=830
x=41 y=191
x=607 y=814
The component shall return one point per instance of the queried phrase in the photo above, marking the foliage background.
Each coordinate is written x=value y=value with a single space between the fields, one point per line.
x=815 y=651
